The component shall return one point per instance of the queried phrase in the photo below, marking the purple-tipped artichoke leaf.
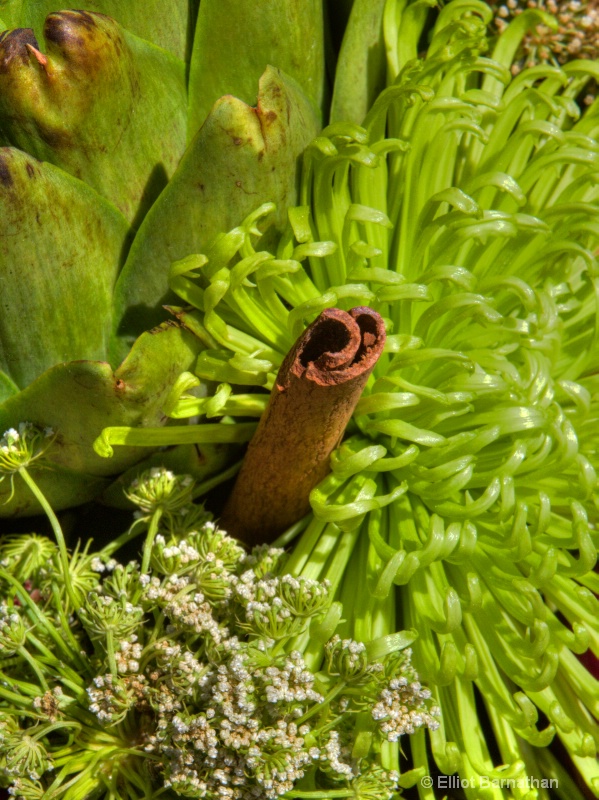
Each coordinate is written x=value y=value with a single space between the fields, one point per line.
x=147 y=19
x=92 y=104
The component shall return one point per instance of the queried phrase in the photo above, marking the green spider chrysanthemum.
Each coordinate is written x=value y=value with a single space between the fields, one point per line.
x=464 y=210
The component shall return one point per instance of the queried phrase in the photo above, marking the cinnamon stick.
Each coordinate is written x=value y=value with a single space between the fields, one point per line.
x=316 y=391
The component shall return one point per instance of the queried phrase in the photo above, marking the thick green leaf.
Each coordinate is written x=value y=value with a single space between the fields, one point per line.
x=101 y=104
x=167 y=25
x=361 y=67
x=60 y=247
x=235 y=41
x=241 y=157
x=77 y=400
x=64 y=487
x=7 y=387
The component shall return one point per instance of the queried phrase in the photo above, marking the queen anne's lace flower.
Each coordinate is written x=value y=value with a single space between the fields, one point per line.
x=210 y=693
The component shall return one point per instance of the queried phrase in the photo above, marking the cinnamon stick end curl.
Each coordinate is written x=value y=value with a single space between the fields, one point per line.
x=316 y=391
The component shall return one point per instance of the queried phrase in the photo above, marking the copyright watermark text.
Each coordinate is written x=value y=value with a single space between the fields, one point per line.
x=486 y=782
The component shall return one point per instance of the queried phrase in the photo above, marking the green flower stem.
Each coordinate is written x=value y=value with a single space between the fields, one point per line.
x=354 y=593
x=80 y=714
x=293 y=532
x=36 y=612
x=88 y=783
x=80 y=662
x=48 y=658
x=117 y=543
x=337 y=689
x=133 y=777
x=64 y=556
x=12 y=697
x=110 y=648
x=302 y=552
x=209 y=484
x=327 y=562
x=22 y=651
x=153 y=640
x=151 y=535
x=552 y=769
x=345 y=546
x=372 y=617
x=56 y=726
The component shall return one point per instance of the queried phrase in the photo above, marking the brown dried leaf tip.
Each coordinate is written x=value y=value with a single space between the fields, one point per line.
x=317 y=389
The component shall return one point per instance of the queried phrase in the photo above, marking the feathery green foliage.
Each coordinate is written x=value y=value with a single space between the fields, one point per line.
x=203 y=672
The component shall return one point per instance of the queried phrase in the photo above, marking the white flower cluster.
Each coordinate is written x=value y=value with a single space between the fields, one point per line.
x=187 y=609
x=18 y=448
x=12 y=630
x=576 y=34
x=159 y=488
x=198 y=660
x=128 y=655
x=198 y=669
x=240 y=746
x=98 y=565
x=23 y=754
x=403 y=706
x=333 y=752
x=103 y=614
x=290 y=683
x=235 y=714
x=277 y=607
x=349 y=659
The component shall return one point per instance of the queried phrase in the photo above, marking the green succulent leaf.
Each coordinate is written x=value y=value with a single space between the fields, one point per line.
x=235 y=42
x=65 y=487
x=133 y=394
x=56 y=284
x=173 y=30
x=93 y=104
x=7 y=387
x=361 y=67
x=241 y=157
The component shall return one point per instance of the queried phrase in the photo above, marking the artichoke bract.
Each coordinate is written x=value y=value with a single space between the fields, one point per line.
x=110 y=168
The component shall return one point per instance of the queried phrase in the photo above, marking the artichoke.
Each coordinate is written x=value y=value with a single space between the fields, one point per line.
x=118 y=154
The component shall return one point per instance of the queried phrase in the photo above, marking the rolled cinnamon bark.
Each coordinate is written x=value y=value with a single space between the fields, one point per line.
x=314 y=396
